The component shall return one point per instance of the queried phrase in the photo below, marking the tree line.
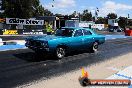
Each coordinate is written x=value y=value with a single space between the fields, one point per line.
x=24 y=9
x=33 y=8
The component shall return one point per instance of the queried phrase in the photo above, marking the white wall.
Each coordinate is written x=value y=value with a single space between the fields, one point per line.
x=99 y=26
x=113 y=22
x=85 y=24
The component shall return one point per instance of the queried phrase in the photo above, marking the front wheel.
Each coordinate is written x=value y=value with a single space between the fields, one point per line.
x=60 y=52
x=94 y=47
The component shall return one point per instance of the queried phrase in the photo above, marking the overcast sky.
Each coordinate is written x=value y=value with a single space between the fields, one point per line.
x=121 y=7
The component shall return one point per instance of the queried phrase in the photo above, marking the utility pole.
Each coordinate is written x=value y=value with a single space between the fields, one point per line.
x=128 y=16
x=53 y=4
x=96 y=13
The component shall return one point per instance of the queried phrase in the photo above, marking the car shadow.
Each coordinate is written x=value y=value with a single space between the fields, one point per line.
x=72 y=53
x=33 y=57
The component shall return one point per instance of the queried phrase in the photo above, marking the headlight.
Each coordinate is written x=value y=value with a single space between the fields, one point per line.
x=45 y=44
x=27 y=42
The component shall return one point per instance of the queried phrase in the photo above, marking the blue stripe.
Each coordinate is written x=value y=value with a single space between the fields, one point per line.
x=130 y=78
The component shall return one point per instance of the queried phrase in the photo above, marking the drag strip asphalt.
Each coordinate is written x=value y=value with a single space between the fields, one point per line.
x=21 y=66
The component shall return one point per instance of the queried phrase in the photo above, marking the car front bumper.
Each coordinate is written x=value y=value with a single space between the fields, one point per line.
x=37 y=48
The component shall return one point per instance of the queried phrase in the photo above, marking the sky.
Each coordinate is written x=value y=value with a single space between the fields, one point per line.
x=120 y=7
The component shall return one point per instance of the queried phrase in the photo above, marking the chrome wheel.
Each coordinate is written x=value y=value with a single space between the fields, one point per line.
x=60 y=52
x=95 y=46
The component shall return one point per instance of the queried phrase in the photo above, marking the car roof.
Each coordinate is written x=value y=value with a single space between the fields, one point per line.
x=75 y=28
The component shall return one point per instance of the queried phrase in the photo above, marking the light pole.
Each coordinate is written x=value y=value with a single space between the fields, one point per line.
x=52 y=4
x=96 y=13
x=1 y=6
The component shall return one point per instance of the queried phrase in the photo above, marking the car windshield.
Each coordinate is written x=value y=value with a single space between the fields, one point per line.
x=64 y=32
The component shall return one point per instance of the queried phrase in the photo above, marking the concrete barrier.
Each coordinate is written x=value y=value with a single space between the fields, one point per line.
x=1 y=42
x=14 y=42
x=9 y=43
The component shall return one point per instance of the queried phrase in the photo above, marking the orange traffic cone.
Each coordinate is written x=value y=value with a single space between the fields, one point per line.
x=84 y=73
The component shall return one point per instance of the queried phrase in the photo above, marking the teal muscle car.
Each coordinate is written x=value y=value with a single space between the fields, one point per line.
x=64 y=40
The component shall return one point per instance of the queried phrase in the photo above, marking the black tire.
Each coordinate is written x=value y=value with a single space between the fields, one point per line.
x=94 y=47
x=85 y=82
x=60 y=52
x=39 y=53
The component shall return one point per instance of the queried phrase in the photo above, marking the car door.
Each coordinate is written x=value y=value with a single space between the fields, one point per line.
x=87 y=39
x=76 y=40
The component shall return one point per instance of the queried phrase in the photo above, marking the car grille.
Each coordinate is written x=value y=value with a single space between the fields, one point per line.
x=35 y=43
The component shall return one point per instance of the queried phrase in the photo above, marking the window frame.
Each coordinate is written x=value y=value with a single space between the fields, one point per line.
x=66 y=29
x=79 y=35
x=88 y=31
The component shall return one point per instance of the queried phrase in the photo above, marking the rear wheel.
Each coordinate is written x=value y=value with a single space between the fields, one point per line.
x=94 y=47
x=60 y=52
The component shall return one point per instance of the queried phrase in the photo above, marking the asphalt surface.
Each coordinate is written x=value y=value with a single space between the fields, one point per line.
x=22 y=66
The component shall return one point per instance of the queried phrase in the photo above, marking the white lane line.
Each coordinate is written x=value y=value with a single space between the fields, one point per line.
x=21 y=42
x=113 y=38
x=1 y=43
x=108 y=35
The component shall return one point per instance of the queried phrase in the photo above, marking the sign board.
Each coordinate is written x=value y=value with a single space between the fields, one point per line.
x=24 y=21
x=22 y=32
x=66 y=18
x=26 y=32
x=10 y=32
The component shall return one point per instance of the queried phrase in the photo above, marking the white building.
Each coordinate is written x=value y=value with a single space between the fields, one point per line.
x=98 y=26
x=86 y=24
x=92 y=24
x=113 y=22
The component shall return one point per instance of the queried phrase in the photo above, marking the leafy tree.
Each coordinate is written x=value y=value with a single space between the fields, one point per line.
x=86 y=16
x=73 y=14
x=59 y=14
x=18 y=9
x=48 y=13
x=129 y=22
x=112 y=16
x=24 y=9
x=101 y=20
x=122 y=22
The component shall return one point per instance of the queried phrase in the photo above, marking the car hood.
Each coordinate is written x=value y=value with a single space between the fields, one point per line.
x=44 y=37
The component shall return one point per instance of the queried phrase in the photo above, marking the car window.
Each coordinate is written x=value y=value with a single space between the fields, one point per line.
x=78 y=33
x=64 y=32
x=86 y=32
